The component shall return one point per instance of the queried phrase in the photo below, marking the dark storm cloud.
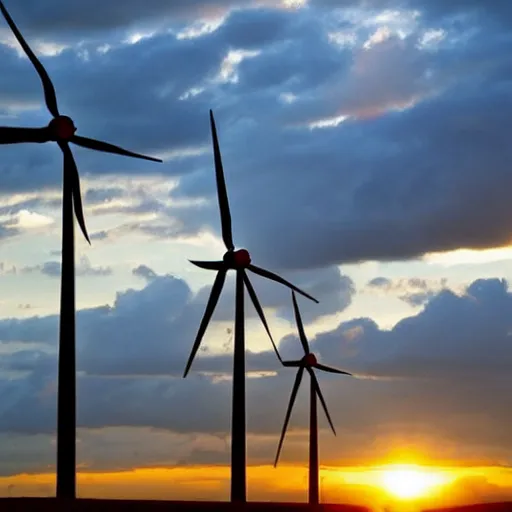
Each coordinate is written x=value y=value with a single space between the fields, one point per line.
x=443 y=189
x=420 y=165
x=147 y=116
x=452 y=358
x=67 y=21
x=418 y=171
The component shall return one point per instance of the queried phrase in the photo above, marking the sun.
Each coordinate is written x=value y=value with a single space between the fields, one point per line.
x=410 y=482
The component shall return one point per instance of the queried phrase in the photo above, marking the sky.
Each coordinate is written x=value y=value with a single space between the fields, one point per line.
x=366 y=153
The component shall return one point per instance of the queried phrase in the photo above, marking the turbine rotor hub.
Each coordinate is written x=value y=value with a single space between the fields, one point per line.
x=237 y=259
x=310 y=359
x=62 y=128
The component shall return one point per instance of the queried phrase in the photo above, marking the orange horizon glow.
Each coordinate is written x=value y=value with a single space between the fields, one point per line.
x=367 y=486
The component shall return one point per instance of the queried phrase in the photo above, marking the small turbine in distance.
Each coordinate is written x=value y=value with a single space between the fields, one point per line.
x=308 y=363
x=240 y=261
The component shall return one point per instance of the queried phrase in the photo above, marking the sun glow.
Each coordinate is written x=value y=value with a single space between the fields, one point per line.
x=410 y=482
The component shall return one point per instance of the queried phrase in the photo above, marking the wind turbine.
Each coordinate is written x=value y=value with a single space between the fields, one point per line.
x=61 y=130
x=308 y=363
x=240 y=261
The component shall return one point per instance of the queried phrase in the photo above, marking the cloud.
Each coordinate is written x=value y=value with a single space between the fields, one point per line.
x=82 y=269
x=166 y=314
x=145 y=272
x=392 y=181
x=413 y=291
x=7 y=268
x=399 y=204
x=25 y=219
x=456 y=348
x=99 y=235
x=102 y=195
x=66 y=22
x=379 y=282
x=454 y=337
x=333 y=289
x=7 y=231
x=499 y=13
x=171 y=316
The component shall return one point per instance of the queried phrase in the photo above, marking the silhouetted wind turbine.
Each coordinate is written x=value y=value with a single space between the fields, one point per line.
x=61 y=130
x=240 y=261
x=308 y=363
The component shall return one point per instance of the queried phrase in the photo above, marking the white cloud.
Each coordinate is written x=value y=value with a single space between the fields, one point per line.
x=26 y=219
x=228 y=68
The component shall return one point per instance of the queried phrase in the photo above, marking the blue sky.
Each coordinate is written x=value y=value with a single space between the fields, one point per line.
x=366 y=153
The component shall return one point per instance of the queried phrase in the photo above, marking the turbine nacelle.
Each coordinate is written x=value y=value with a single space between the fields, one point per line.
x=237 y=259
x=61 y=128
x=309 y=360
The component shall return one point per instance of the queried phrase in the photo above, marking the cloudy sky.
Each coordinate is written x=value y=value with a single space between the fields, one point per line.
x=366 y=150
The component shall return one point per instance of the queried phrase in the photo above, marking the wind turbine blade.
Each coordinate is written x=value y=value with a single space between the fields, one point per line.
x=330 y=369
x=210 y=308
x=274 y=277
x=322 y=400
x=300 y=326
x=106 y=147
x=225 y=215
x=72 y=171
x=49 y=91
x=259 y=310
x=208 y=265
x=11 y=135
x=295 y=388
x=292 y=363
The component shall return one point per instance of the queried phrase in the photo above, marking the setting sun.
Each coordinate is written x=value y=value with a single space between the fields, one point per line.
x=409 y=482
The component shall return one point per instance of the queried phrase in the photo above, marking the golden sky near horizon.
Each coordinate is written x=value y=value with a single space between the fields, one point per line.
x=403 y=486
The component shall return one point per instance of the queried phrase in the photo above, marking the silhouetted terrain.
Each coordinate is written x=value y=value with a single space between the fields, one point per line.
x=484 y=507
x=96 y=505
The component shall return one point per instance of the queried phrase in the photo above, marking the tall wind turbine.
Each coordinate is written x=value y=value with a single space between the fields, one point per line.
x=308 y=363
x=61 y=130
x=240 y=261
